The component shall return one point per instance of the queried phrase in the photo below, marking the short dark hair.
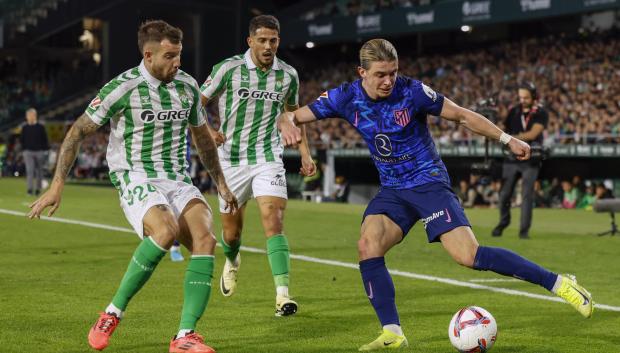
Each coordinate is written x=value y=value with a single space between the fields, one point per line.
x=266 y=21
x=156 y=31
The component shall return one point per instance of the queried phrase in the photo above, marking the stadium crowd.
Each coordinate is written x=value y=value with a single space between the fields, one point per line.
x=578 y=78
x=359 y=7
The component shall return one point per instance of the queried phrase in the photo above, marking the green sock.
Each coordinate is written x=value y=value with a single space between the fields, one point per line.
x=142 y=264
x=197 y=290
x=230 y=251
x=278 y=254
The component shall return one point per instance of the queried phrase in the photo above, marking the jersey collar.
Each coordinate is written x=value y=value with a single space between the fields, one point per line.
x=251 y=66
x=149 y=78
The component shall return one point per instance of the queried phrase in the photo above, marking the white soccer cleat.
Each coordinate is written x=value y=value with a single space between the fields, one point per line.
x=228 y=281
x=285 y=306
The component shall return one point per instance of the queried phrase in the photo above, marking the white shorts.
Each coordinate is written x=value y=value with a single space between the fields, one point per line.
x=247 y=181
x=141 y=194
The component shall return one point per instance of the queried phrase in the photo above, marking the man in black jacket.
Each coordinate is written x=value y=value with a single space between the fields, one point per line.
x=526 y=121
x=35 y=147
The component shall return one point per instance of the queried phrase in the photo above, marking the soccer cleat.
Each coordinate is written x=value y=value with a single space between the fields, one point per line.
x=576 y=295
x=228 y=280
x=387 y=340
x=191 y=343
x=175 y=254
x=285 y=306
x=99 y=334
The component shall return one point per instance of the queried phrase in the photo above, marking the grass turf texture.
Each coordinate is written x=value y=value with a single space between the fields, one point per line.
x=55 y=277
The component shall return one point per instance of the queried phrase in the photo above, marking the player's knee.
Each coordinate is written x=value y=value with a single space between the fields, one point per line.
x=368 y=245
x=232 y=235
x=203 y=243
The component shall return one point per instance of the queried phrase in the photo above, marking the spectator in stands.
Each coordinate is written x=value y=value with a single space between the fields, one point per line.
x=341 y=193
x=602 y=192
x=588 y=198
x=571 y=195
x=34 y=146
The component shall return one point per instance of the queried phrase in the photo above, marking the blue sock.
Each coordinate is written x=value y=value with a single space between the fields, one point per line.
x=380 y=290
x=507 y=263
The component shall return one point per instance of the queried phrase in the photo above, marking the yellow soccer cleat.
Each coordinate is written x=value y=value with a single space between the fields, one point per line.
x=576 y=295
x=387 y=340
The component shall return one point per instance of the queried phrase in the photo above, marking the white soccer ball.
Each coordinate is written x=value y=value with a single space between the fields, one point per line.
x=472 y=329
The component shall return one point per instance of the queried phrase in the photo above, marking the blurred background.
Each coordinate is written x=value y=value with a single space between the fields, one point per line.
x=56 y=54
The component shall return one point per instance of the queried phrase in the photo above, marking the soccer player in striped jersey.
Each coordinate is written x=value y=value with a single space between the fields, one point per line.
x=149 y=109
x=390 y=112
x=251 y=90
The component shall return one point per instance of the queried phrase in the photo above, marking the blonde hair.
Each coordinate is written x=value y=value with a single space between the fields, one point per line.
x=377 y=50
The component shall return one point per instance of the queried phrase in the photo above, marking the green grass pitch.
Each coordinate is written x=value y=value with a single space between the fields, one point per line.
x=55 y=277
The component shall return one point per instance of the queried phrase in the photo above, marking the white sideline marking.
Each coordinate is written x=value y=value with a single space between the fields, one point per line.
x=341 y=264
x=491 y=280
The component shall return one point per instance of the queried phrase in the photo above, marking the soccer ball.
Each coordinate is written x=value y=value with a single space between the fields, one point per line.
x=472 y=329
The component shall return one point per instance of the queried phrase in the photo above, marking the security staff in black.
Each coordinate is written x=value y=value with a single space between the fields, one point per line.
x=526 y=121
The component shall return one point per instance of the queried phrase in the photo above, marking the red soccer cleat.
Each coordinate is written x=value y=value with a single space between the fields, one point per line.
x=100 y=333
x=191 y=343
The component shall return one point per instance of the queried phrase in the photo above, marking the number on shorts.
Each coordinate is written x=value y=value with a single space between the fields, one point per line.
x=139 y=192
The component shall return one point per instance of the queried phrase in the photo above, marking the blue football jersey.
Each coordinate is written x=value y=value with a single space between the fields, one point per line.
x=395 y=129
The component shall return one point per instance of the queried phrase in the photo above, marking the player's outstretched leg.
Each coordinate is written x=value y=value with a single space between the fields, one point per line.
x=462 y=245
x=143 y=262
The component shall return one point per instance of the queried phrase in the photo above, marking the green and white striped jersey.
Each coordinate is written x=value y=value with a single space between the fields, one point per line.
x=249 y=102
x=148 y=123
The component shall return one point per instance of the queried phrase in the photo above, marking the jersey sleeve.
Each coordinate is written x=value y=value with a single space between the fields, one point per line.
x=428 y=100
x=198 y=114
x=107 y=103
x=292 y=97
x=330 y=103
x=216 y=81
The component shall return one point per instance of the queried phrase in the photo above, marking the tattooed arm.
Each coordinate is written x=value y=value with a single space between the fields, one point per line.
x=82 y=127
x=207 y=151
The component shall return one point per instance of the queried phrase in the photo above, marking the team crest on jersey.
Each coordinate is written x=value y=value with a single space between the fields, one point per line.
x=429 y=92
x=95 y=103
x=401 y=117
x=184 y=99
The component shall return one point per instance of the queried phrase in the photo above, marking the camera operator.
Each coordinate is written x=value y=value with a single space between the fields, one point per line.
x=525 y=121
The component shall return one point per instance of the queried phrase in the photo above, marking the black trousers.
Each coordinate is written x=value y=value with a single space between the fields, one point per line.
x=510 y=174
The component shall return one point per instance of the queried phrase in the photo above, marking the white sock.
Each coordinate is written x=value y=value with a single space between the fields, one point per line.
x=184 y=332
x=112 y=309
x=394 y=328
x=556 y=286
x=282 y=291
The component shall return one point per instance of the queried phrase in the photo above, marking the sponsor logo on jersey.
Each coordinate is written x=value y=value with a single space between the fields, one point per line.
x=401 y=117
x=323 y=95
x=245 y=93
x=383 y=145
x=149 y=116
